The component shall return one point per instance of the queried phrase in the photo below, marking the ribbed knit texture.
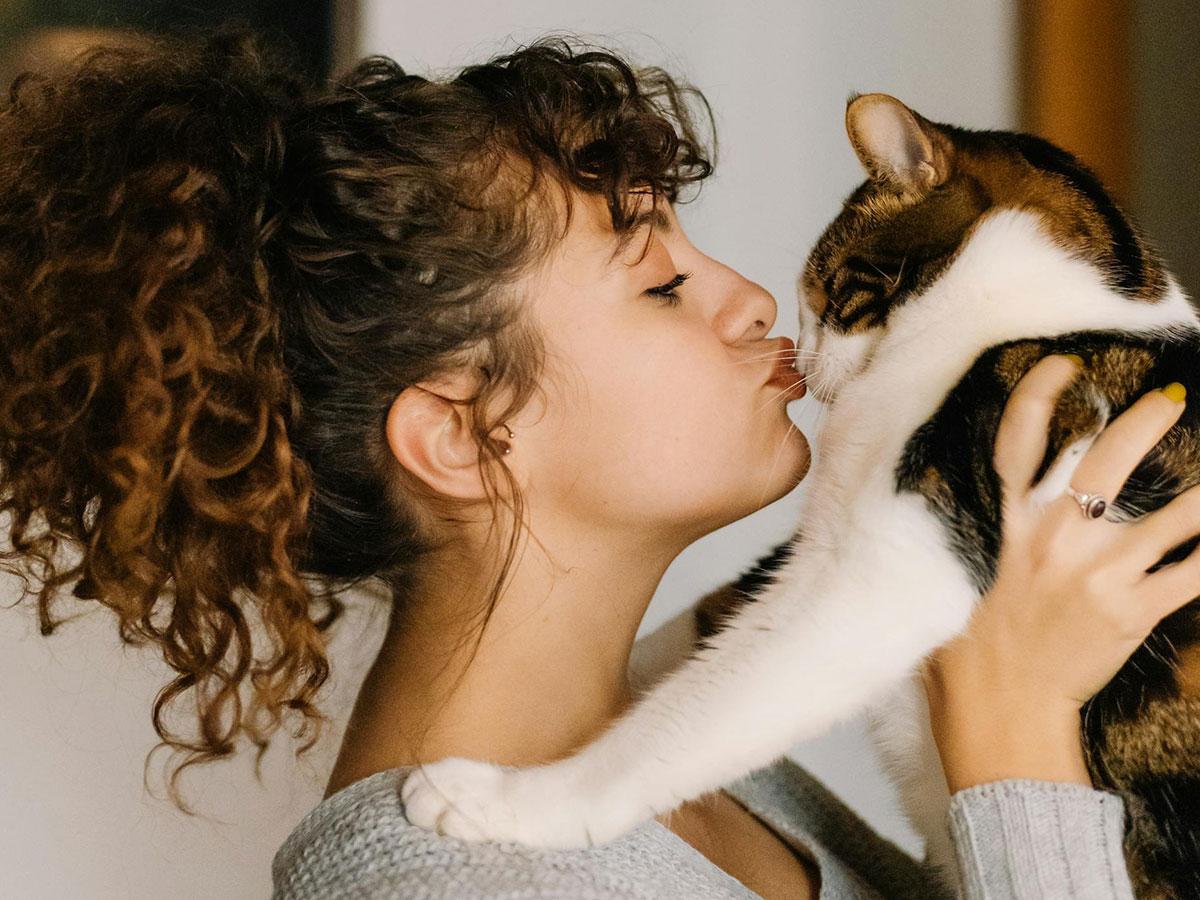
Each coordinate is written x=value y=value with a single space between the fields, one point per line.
x=1030 y=840
x=1015 y=839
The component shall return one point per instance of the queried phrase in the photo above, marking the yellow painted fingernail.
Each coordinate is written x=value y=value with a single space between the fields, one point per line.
x=1075 y=358
x=1175 y=391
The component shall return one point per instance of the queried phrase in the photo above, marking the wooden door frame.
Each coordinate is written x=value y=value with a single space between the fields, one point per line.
x=1076 y=84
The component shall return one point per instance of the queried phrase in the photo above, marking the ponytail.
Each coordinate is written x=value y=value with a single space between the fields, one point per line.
x=216 y=278
x=144 y=403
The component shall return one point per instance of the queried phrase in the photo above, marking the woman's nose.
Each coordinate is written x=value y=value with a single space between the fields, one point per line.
x=747 y=313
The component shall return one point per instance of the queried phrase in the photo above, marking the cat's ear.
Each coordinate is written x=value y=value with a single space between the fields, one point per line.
x=896 y=145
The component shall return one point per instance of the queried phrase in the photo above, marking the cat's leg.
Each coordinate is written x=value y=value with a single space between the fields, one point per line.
x=831 y=634
x=668 y=646
x=901 y=733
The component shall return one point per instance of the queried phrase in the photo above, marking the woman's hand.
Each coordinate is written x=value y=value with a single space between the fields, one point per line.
x=1071 y=600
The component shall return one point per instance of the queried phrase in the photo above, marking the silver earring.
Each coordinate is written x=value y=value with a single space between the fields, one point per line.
x=511 y=435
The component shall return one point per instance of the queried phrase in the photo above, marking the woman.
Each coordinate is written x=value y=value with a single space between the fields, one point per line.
x=265 y=341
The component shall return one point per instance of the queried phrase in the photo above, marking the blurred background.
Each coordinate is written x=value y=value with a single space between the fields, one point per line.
x=1112 y=80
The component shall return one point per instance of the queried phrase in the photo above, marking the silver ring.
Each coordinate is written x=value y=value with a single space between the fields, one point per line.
x=1091 y=505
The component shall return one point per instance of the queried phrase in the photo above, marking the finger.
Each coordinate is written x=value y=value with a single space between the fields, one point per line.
x=1147 y=539
x=1025 y=424
x=1126 y=441
x=1173 y=586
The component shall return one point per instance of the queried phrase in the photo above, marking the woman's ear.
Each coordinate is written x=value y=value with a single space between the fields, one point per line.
x=430 y=435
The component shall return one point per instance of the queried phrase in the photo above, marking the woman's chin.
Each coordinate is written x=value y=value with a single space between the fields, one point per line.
x=788 y=469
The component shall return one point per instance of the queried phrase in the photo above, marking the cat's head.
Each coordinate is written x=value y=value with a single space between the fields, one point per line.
x=928 y=187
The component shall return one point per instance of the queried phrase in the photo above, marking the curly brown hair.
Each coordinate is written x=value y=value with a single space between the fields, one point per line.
x=216 y=277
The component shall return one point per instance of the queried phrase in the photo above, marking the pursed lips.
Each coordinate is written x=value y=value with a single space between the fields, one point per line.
x=783 y=373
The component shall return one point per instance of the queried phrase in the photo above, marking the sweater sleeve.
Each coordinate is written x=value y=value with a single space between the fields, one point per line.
x=1020 y=839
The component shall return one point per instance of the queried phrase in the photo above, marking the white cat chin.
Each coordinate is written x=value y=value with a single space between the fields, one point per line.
x=834 y=358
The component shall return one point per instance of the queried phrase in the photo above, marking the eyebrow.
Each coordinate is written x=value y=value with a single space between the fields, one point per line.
x=655 y=218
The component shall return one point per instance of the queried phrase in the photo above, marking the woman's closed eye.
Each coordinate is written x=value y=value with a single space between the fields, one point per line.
x=667 y=291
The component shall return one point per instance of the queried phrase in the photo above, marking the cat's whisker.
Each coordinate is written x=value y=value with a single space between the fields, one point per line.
x=809 y=419
x=879 y=270
x=777 y=395
x=769 y=353
x=759 y=359
x=822 y=383
x=766 y=484
x=1175 y=663
x=779 y=354
x=1170 y=643
x=1087 y=717
x=1157 y=654
x=808 y=416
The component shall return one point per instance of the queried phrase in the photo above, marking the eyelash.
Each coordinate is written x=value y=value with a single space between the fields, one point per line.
x=667 y=291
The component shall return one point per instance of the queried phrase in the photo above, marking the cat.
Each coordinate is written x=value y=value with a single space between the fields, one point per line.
x=964 y=258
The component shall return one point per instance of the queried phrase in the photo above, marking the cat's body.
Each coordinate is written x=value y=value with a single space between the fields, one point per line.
x=979 y=275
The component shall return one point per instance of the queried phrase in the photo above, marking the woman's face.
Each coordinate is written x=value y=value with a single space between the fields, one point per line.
x=659 y=415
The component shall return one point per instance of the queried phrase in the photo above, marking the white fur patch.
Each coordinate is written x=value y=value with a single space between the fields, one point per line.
x=868 y=593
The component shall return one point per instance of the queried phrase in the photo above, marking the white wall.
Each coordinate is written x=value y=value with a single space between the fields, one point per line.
x=74 y=708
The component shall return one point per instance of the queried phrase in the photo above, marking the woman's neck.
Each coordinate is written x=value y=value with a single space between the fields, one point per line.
x=549 y=674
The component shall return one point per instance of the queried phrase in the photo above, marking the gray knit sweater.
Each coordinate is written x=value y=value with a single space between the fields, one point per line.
x=1014 y=839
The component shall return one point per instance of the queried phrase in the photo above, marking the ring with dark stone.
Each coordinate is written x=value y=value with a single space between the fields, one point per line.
x=1091 y=505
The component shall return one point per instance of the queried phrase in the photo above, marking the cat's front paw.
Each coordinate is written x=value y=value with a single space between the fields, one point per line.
x=477 y=801
x=457 y=797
